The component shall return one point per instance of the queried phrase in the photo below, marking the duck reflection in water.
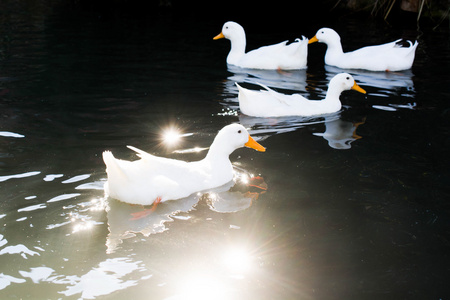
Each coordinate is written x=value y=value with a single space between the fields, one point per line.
x=234 y=196
x=266 y=127
x=339 y=133
x=390 y=83
x=289 y=80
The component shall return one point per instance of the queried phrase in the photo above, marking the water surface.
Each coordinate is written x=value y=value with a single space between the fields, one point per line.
x=348 y=205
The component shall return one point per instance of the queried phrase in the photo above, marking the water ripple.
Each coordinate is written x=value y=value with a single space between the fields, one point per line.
x=11 y=134
x=22 y=175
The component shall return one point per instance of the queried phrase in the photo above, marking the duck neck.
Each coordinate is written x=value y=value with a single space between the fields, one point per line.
x=334 y=52
x=217 y=153
x=333 y=94
x=238 y=43
x=219 y=164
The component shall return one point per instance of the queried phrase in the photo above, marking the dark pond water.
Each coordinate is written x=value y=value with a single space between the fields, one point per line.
x=356 y=206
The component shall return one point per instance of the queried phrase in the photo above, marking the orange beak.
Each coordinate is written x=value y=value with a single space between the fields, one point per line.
x=219 y=36
x=358 y=88
x=313 y=40
x=254 y=145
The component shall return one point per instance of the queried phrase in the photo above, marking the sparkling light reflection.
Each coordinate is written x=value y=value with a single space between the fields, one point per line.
x=82 y=222
x=190 y=150
x=243 y=178
x=217 y=281
x=172 y=136
x=238 y=260
x=83 y=226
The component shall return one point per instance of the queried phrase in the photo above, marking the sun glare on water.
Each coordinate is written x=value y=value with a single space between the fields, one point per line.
x=217 y=281
x=237 y=260
x=172 y=136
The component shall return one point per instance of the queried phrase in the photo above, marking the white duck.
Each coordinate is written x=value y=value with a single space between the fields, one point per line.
x=278 y=56
x=154 y=179
x=268 y=103
x=385 y=57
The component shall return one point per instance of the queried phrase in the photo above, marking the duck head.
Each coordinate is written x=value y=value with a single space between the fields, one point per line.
x=232 y=31
x=345 y=82
x=232 y=137
x=236 y=34
x=327 y=36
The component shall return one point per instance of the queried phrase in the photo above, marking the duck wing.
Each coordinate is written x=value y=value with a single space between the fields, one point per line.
x=266 y=57
x=390 y=56
x=277 y=96
x=177 y=170
x=277 y=56
x=375 y=50
x=266 y=50
x=288 y=100
x=155 y=159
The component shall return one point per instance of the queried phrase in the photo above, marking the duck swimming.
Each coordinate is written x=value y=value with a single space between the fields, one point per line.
x=385 y=57
x=153 y=179
x=277 y=56
x=269 y=103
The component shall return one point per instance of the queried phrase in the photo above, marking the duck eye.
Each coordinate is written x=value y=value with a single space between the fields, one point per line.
x=348 y=78
x=239 y=131
x=226 y=27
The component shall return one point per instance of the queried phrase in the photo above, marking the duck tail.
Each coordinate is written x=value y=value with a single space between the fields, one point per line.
x=264 y=86
x=300 y=46
x=412 y=48
x=400 y=43
x=108 y=158
x=241 y=90
x=112 y=167
x=243 y=99
x=301 y=40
